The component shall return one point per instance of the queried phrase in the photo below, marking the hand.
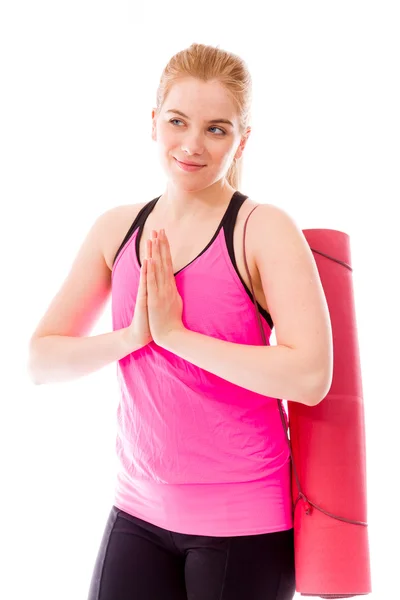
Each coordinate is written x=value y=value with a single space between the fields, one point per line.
x=164 y=304
x=139 y=330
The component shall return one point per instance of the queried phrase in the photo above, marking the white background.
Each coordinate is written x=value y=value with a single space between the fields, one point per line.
x=78 y=82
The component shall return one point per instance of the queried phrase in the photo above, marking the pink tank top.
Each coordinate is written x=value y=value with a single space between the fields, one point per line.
x=196 y=453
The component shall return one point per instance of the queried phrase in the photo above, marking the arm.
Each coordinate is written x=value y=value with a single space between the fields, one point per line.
x=299 y=368
x=56 y=358
x=59 y=350
x=276 y=371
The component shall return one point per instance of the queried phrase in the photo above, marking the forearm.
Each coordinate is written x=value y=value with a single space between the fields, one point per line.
x=57 y=358
x=275 y=371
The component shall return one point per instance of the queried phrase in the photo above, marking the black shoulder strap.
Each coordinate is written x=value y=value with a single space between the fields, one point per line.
x=138 y=222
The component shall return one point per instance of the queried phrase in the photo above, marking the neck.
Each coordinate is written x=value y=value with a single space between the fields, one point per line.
x=177 y=204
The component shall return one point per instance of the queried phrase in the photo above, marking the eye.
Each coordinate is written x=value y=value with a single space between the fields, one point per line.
x=212 y=127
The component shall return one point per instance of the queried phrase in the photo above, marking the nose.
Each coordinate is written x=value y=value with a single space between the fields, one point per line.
x=193 y=144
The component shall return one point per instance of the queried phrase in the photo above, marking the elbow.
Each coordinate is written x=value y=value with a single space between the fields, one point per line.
x=319 y=377
x=319 y=390
x=32 y=373
x=31 y=366
x=34 y=379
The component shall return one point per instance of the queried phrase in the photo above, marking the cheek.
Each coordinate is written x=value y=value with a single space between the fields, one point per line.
x=167 y=136
x=223 y=153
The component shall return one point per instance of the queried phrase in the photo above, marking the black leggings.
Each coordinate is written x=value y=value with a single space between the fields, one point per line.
x=140 y=561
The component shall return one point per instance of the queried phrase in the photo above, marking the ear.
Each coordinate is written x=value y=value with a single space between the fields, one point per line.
x=243 y=143
x=154 y=125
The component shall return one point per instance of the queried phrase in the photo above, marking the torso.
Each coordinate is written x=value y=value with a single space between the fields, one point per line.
x=186 y=248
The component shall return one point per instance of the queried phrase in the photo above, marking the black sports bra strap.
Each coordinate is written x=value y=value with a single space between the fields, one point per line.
x=138 y=222
x=229 y=227
x=232 y=212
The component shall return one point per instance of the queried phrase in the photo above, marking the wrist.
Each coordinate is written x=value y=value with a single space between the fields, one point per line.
x=169 y=339
x=128 y=341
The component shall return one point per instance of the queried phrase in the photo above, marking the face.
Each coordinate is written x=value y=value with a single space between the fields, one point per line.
x=193 y=138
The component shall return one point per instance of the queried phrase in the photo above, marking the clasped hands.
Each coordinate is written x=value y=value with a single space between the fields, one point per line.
x=164 y=303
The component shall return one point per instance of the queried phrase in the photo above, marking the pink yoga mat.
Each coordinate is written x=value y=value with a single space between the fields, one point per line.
x=327 y=445
x=329 y=451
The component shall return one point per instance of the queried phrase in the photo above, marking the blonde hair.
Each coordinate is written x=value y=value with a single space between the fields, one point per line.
x=210 y=63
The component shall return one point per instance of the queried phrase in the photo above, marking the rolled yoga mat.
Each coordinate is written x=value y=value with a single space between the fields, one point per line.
x=328 y=448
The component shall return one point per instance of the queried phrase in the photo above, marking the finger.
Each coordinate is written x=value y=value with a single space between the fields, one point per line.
x=142 y=288
x=151 y=279
x=158 y=263
x=143 y=272
x=148 y=249
x=151 y=256
x=166 y=255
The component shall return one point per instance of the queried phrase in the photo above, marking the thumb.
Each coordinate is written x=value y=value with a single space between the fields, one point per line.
x=142 y=289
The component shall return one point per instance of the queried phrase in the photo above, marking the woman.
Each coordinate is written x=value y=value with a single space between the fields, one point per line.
x=203 y=504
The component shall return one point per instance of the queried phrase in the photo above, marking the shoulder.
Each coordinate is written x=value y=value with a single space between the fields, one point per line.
x=270 y=215
x=113 y=225
x=277 y=241
x=270 y=225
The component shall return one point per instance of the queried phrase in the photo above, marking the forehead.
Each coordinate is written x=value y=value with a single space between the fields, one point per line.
x=202 y=99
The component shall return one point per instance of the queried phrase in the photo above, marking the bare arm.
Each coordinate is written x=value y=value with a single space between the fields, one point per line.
x=275 y=371
x=60 y=349
x=57 y=358
x=300 y=367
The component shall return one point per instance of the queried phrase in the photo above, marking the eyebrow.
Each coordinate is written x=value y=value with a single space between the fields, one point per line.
x=178 y=112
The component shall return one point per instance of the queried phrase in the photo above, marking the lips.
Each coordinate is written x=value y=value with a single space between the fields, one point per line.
x=190 y=163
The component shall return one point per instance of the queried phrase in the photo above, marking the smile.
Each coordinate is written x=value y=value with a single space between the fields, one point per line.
x=186 y=167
